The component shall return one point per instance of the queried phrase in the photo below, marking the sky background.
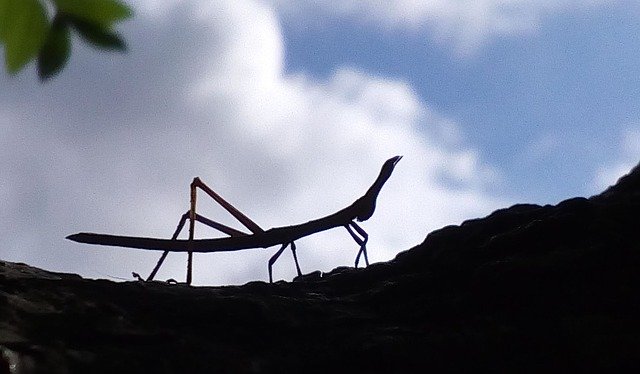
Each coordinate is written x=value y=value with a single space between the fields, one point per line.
x=288 y=110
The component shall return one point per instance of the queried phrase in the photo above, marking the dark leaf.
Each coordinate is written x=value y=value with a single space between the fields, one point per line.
x=97 y=35
x=4 y=18
x=55 y=51
x=100 y=12
x=23 y=31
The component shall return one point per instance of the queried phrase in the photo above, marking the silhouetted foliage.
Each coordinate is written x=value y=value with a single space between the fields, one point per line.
x=27 y=31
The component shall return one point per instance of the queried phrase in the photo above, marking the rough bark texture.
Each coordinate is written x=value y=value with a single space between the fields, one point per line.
x=526 y=289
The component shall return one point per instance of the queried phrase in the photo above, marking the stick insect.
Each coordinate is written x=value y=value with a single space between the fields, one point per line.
x=361 y=210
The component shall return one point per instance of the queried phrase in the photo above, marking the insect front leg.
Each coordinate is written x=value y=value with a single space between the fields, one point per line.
x=362 y=241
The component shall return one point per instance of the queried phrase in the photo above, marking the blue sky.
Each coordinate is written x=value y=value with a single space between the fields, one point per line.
x=289 y=108
x=572 y=86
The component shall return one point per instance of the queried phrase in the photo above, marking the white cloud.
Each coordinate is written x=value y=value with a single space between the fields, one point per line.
x=465 y=25
x=627 y=158
x=112 y=144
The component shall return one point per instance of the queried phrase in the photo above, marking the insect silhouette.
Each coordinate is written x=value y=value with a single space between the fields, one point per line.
x=360 y=210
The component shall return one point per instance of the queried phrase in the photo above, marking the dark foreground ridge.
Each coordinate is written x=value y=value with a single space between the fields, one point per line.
x=526 y=289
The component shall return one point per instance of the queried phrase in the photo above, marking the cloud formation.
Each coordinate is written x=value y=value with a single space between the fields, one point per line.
x=112 y=144
x=464 y=25
x=628 y=157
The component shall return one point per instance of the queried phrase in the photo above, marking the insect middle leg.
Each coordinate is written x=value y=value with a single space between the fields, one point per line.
x=273 y=259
